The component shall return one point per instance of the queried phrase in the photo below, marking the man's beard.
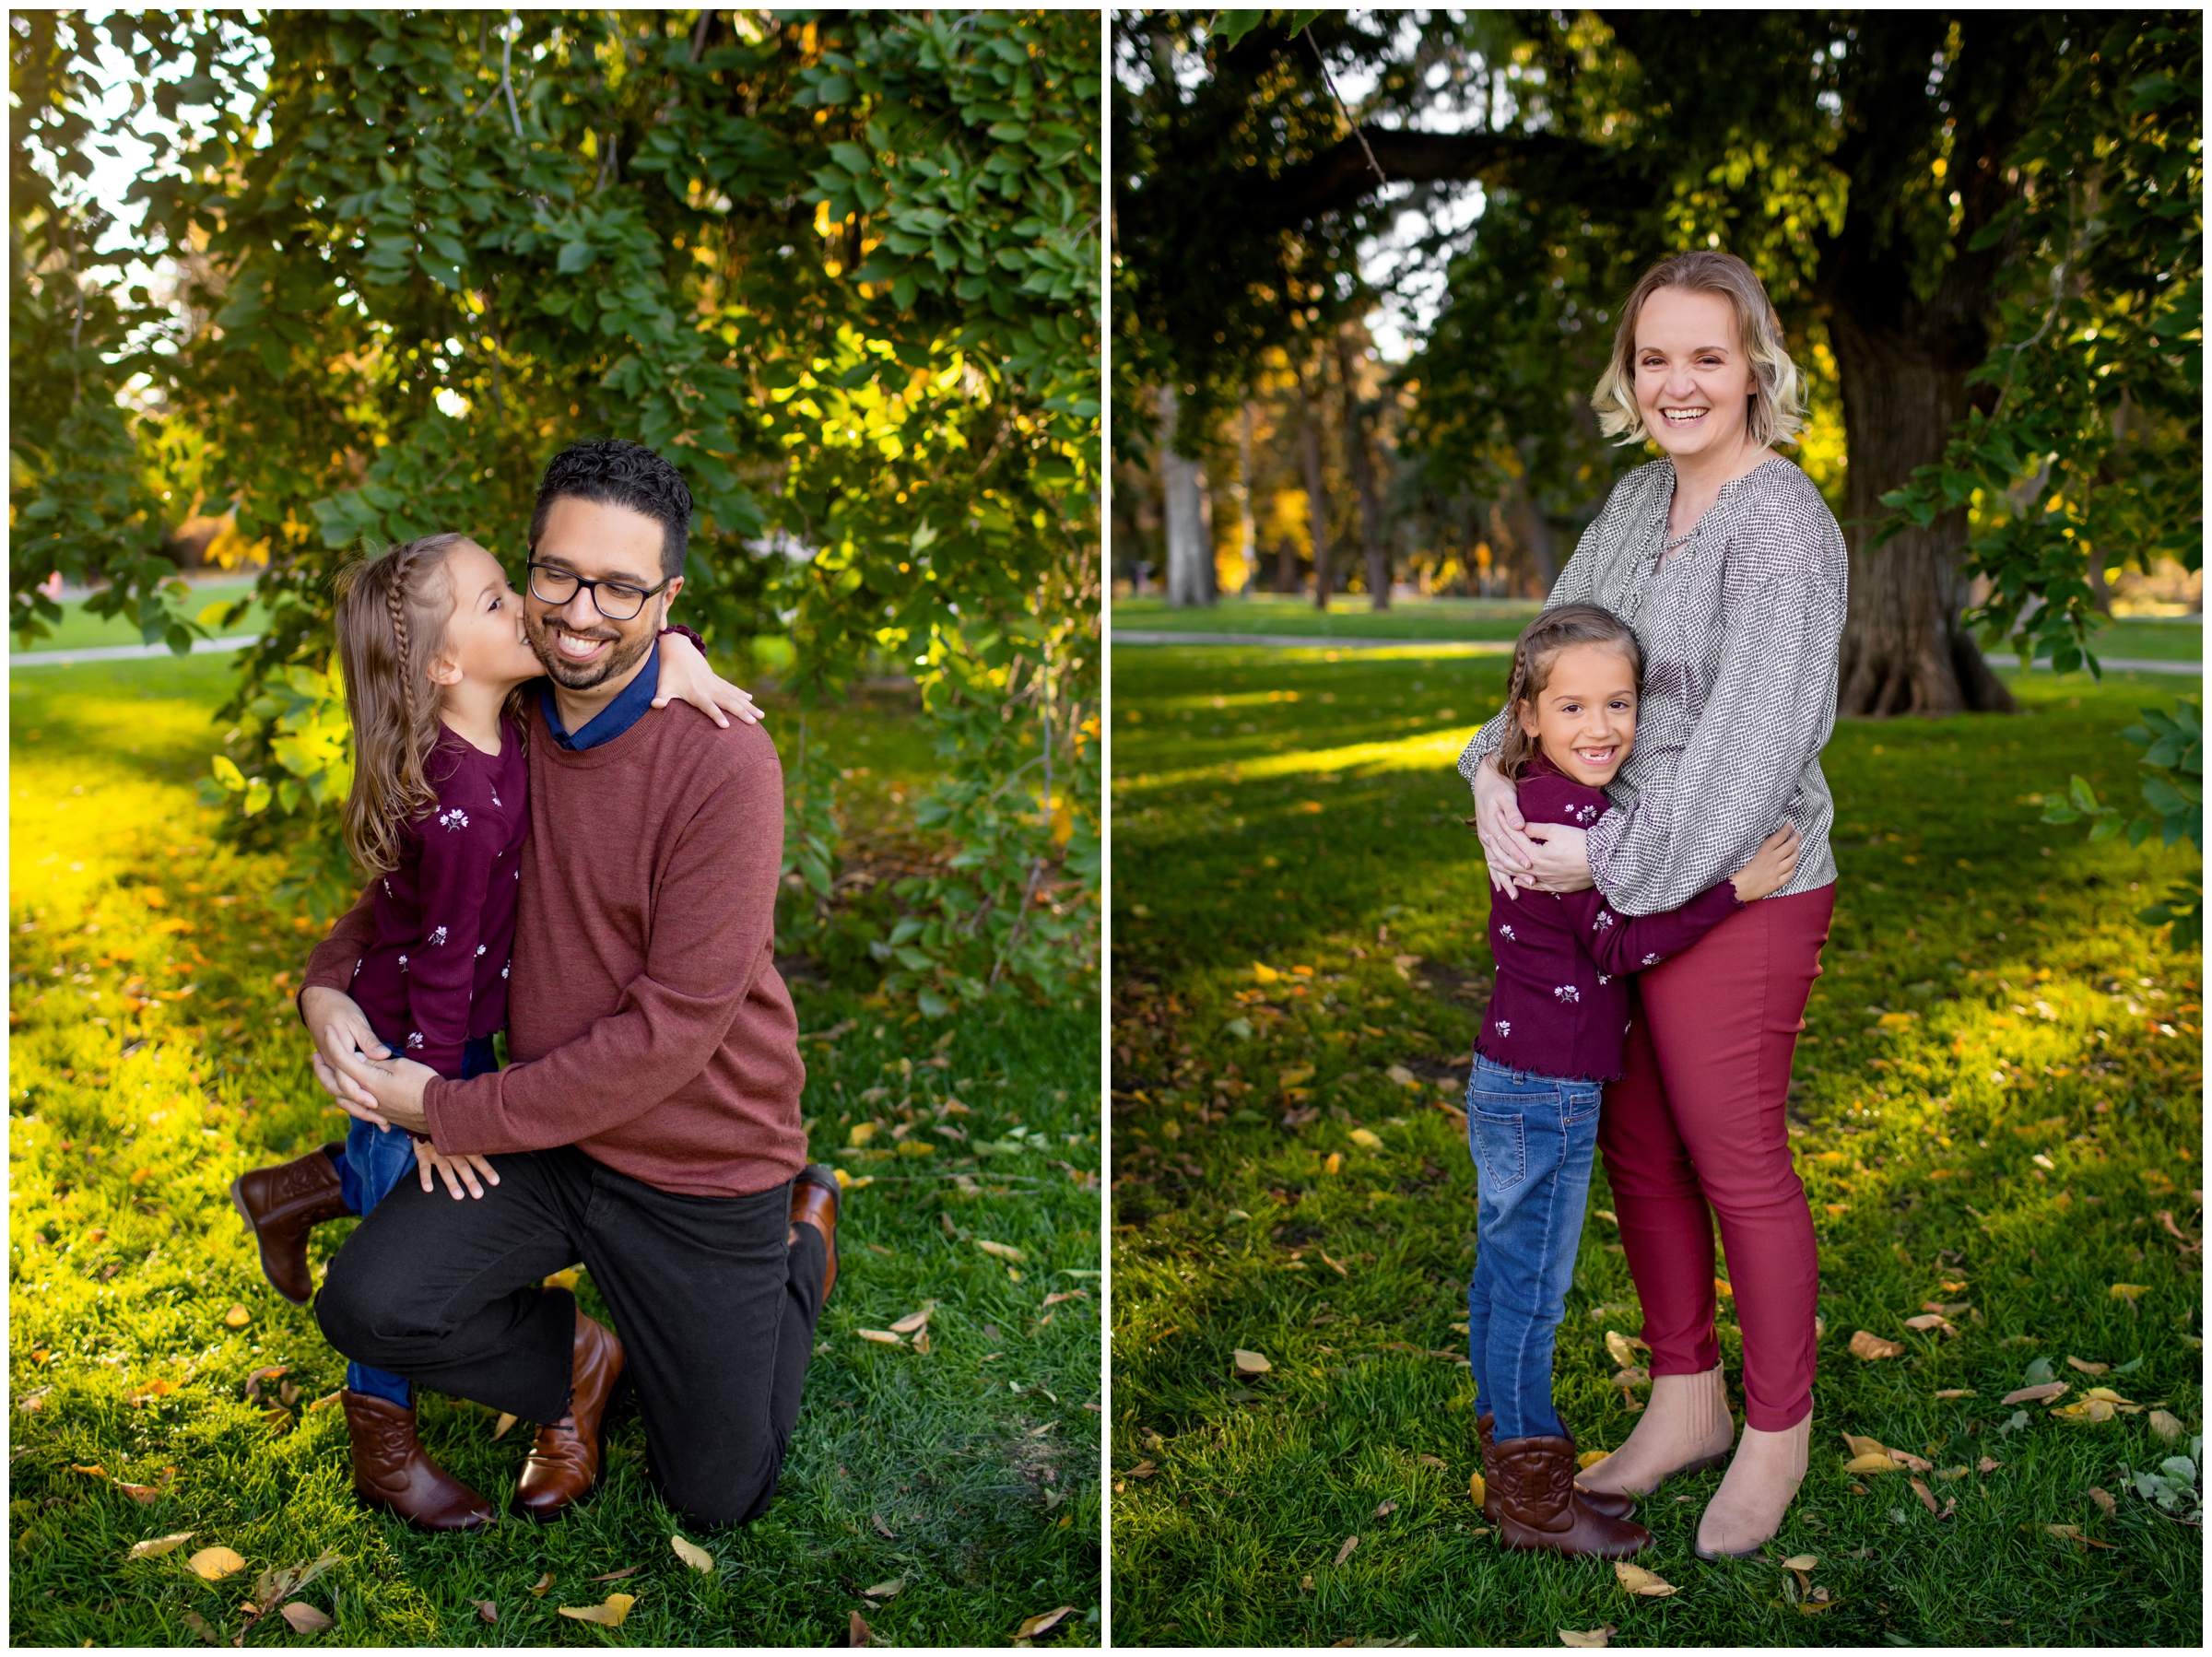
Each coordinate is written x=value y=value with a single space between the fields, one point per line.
x=587 y=675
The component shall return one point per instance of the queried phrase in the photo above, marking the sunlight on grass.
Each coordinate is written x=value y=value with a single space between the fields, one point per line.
x=155 y=1055
x=1995 y=1112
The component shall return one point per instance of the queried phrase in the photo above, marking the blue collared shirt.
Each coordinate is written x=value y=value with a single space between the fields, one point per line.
x=634 y=702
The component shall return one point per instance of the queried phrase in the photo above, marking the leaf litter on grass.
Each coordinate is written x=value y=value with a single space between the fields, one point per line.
x=1880 y=1101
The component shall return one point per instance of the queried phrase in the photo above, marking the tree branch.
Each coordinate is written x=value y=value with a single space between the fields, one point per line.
x=1344 y=175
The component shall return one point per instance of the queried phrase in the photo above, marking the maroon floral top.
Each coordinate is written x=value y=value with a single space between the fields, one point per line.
x=436 y=976
x=1561 y=1005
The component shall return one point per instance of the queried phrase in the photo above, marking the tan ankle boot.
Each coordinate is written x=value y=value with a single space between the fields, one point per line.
x=1684 y=1428
x=1762 y=1481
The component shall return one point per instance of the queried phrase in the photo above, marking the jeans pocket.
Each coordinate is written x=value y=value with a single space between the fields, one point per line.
x=1500 y=1147
x=1578 y=1101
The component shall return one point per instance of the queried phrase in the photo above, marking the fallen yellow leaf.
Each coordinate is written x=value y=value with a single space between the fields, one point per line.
x=1879 y=1463
x=501 y=1428
x=1042 y=1622
x=2085 y=1367
x=238 y=1317
x=2168 y=1427
x=2036 y=1394
x=1294 y=1074
x=544 y=1582
x=1000 y=1250
x=1345 y=1552
x=304 y=1617
x=215 y=1563
x=1264 y=974
x=1403 y=1076
x=1334 y=1164
x=1801 y=1562
x=1639 y=1582
x=1368 y=1137
x=1477 y=1489
x=153 y=1547
x=1249 y=1363
x=861 y=1132
x=882 y=1336
x=1927 y=1498
x=2129 y=1291
x=915 y=1320
x=1956 y=1392
x=1868 y=1347
x=607 y=1616
x=1590 y=1458
x=1587 y=1639
x=883 y=1591
x=1623 y=1348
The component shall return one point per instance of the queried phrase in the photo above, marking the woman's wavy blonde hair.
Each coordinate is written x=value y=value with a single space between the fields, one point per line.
x=1777 y=410
x=390 y=626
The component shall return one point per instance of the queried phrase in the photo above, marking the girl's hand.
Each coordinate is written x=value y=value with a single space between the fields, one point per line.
x=456 y=1172
x=1499 y=823
x=686 y=677
x=1562 y=858
x=1770 y=867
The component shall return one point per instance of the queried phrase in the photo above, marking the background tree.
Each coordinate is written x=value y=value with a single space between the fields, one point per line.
x=1868 y=164
x=839 y=268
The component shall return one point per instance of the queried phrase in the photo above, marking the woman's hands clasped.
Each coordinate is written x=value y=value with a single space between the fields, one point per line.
x=1545 y=857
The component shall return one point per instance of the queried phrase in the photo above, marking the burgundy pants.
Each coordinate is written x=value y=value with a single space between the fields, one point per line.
x=1695 y=1130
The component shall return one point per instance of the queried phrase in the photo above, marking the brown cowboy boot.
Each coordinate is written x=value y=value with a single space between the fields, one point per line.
x=564 y=1464
x=1538 y=1506
x=1610 y=1503
x=391 y=1470
x=815 y=1200
x=281 y=1205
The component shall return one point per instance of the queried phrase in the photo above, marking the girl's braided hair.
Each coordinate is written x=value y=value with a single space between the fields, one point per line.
x=390 y=626
x=1538 y=647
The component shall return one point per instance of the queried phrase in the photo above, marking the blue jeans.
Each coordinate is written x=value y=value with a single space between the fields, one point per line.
x=376 y=1159
x=1533 y=1139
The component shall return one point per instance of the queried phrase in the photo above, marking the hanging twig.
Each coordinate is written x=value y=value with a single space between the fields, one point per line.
x=1329 y=81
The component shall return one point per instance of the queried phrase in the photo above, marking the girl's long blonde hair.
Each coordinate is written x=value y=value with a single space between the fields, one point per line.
x=390 y=626
x=1534 y=652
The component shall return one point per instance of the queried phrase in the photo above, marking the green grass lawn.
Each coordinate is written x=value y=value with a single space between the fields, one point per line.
x=1502 y=618
x=1996 y=1109
x=80 y=630
x=155 y=1056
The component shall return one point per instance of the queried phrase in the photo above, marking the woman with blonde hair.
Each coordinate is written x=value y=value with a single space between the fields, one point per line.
x=1730 y=568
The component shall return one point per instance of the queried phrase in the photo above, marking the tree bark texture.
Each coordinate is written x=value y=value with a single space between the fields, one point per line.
x=1904 y=651
x=1362 y=465
x=1317 y=494
x=1190 y=542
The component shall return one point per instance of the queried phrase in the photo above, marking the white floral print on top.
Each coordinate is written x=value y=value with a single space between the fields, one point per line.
x=437 y=936
x=455 y=818
x=1505 y=1026
x=1566 y=993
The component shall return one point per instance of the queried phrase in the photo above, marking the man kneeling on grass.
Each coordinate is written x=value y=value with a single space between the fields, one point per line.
x=648 y=1124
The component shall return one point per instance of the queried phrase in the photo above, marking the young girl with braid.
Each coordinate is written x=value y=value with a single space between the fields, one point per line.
x=1551 y=1038
x=432 y=641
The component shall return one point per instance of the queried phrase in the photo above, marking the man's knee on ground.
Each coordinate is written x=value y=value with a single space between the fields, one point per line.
x=705 y=1500
x=361 y=1312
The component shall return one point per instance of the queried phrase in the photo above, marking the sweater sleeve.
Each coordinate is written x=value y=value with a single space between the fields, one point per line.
x=1624 y=943
x=460 y=843
x=1766 y=715
x=712 y=931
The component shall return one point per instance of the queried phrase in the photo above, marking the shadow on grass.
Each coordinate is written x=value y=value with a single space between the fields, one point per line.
x=155 y=1055
x=1995 y=1112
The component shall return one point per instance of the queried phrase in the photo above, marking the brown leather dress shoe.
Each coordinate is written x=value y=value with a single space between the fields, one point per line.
x=391 y=1470
x=1540 y=1507
x=281 y=1205
x=564 y=1464
x=1613 y=1504
x=815 y=1198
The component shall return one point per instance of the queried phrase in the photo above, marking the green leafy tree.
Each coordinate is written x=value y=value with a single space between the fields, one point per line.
x=839 y=268
x=2173 y=787
x=1873 y=167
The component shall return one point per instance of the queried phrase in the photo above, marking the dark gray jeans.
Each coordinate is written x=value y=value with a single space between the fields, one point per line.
x=715 y=1310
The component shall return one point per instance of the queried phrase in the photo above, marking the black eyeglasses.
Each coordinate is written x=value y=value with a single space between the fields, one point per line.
x=617 y=601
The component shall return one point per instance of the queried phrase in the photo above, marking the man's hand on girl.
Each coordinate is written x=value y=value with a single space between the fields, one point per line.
x=686 y=677
x=338 y=1025
x=1770 y=866
x=395 y=1084
x=456 y=1172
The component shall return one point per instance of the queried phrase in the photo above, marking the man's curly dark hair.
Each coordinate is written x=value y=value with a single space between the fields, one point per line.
x=610 y=472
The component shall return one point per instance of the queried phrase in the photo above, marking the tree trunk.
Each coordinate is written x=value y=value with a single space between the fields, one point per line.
x=1356 y=418
x=1317 y=494
x=1248 y=544
x=1189 y=546
x=1532 y=530
x=1904 y=388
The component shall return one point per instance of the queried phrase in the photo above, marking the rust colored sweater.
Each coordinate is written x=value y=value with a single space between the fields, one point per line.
x=647 y=1025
